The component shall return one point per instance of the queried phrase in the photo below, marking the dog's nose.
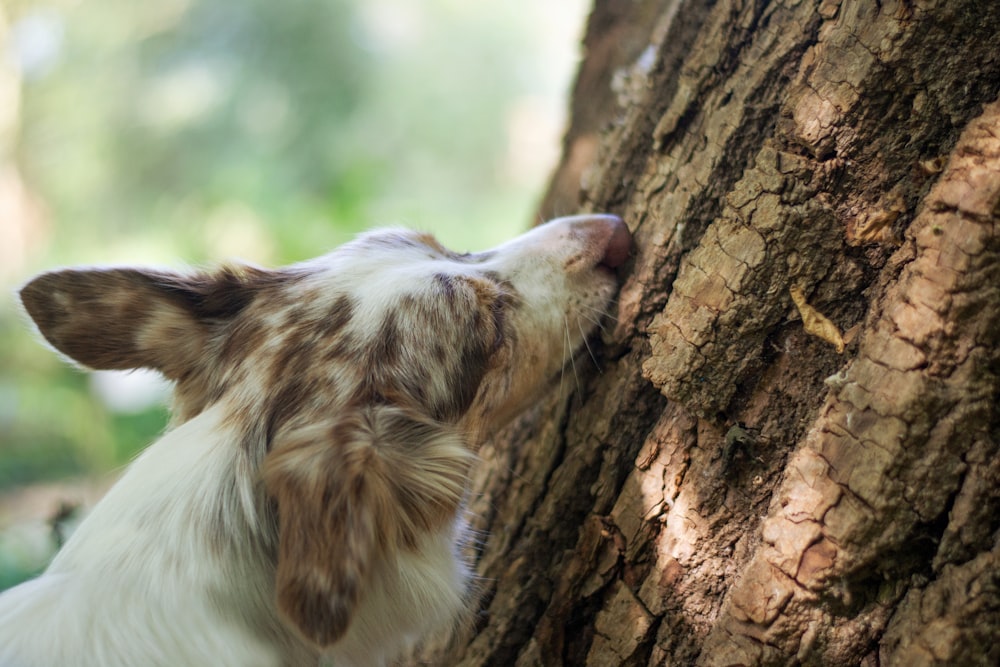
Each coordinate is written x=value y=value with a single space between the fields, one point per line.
x=619 y=243
x=606 y=240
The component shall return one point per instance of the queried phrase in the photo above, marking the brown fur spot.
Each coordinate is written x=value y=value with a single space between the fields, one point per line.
x=295 y=358
x=447 y=285
x=432 y=243
x=219 y=295
x=385 y=347
x=244 y=337
x=284 y=404
x=473 y=368
x=440 y=353
x=469 y=312
x=338 y=316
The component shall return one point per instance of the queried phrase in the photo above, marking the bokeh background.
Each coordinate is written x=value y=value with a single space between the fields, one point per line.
x=183 y=132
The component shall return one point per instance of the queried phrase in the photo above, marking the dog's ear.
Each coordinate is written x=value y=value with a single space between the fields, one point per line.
x=128 y=318
x=350 y=493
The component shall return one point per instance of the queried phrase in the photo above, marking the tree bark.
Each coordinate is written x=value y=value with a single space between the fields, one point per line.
x=787 y=453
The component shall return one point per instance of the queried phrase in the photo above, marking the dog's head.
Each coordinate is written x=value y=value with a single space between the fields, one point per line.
x=359 y=380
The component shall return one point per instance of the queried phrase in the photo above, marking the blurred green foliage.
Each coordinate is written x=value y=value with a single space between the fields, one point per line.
x=192 y=131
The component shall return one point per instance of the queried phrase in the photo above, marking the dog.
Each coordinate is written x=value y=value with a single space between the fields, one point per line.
x=305 y=505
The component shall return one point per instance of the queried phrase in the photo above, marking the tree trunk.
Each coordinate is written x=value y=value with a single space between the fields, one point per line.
x=789 y=453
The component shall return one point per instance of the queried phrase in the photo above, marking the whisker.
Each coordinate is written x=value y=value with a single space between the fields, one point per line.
x=586 y=343
x=600 y=312
x=599 y=324
x=572 y=355
x=562 y=369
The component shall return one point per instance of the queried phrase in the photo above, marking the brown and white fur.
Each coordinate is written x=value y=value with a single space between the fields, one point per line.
x=306 y=503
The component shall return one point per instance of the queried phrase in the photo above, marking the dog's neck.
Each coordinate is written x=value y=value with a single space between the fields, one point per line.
x=179 y=544
x=188 y=502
